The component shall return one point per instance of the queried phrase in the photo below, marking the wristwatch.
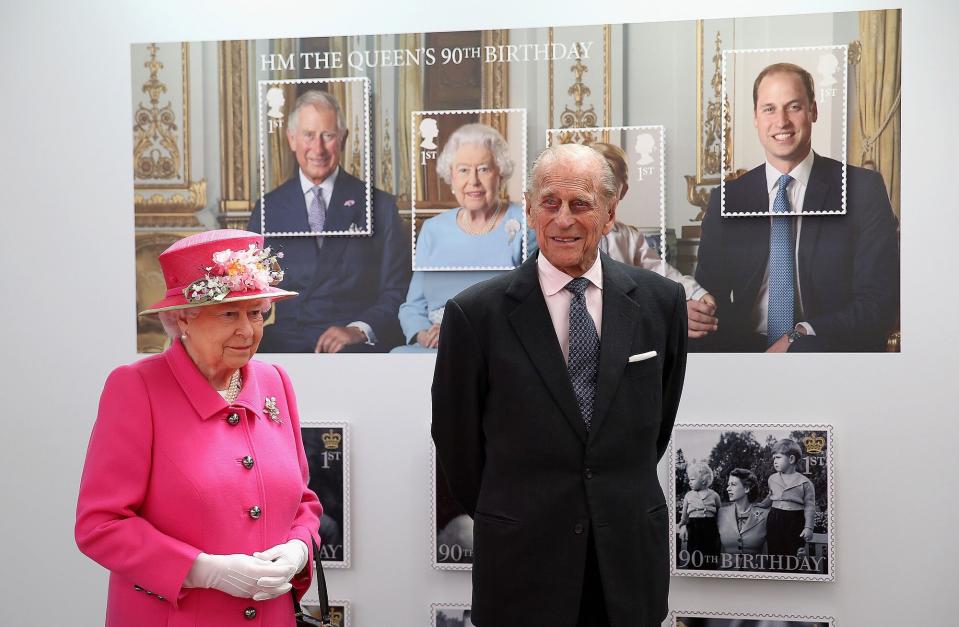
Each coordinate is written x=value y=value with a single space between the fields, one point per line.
x=794 y=335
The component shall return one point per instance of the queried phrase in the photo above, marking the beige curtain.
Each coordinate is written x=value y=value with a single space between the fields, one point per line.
x=875 y=137
x=281 y=158
x=410 y=99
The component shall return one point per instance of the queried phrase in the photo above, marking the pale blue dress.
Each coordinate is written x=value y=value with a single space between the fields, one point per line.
x=443 y=244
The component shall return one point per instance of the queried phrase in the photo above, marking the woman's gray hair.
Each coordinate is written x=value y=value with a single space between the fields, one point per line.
x=315 y=98
x=169 y=319
x=479 y=135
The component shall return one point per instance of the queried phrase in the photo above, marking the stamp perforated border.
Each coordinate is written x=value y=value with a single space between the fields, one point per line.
x=367 y=178
x=413 y=167
x=347 y=534
x=830 y=514
x=724 y=129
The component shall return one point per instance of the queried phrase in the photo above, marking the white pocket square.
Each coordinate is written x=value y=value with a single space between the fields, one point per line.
x=642 y=356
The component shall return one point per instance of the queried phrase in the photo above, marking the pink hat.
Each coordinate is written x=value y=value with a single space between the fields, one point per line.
x=219 y=266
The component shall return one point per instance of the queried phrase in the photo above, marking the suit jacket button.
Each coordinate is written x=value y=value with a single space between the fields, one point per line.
x=578 y=529
x=588 y=473
x=247 y=462
x=233 y=419
x=249 y=613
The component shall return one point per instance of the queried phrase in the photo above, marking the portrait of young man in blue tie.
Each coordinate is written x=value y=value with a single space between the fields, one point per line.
x=554 y=395
x=789 y=281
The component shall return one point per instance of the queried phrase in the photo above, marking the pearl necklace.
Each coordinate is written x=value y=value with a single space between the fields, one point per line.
x=486 y=228
x=233 y=389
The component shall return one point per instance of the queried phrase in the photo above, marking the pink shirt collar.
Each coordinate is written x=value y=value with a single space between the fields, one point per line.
x=205 y=400
x=552 y=279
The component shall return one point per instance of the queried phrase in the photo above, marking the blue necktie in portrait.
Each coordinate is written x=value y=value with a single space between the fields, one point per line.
x=782 y=291
x=317 y=213
x=583 y=361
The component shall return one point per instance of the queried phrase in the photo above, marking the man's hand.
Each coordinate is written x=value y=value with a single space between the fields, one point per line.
x=429 y=338
x=701 y=318
x=806 y=534
x=335 y=339
x=683 y=533
x=782 y=344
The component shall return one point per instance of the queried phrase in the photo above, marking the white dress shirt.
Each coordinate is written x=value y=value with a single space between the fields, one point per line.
x=796 y=192
x=553 y=283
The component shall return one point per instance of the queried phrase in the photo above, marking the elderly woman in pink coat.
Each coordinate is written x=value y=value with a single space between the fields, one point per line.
x=194 y=492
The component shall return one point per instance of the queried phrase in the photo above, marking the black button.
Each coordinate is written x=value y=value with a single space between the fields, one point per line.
x=588 y=473
x=578 y=529
x=247 y=462
x=137 y=588
x=233 y=419
x=149 y=593
x=255 y=512
x=249 y=613
x=160 y=597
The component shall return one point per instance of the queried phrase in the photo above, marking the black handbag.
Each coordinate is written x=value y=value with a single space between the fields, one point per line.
x=325 y=620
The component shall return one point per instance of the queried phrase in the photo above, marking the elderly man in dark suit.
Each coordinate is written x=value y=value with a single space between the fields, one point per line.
x=554 y=395
x=351 y=286
x=797 y=282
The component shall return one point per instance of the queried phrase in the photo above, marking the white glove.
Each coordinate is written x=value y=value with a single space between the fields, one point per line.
x=293 y=553
x=240 y=575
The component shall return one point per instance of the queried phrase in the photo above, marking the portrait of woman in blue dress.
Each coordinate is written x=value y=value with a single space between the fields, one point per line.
x=459 y=247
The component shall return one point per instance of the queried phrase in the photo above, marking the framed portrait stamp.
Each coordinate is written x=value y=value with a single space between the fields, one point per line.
x=636 y=156
x=800 y=102
x=468 y=174
x=327 y=446
x=450 y=615
x=339 y=610
x=306 y=144
x=752 y=501
x=716 y=619
x=451 y=534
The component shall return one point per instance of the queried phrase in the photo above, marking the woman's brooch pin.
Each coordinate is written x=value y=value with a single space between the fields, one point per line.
x=272 y=410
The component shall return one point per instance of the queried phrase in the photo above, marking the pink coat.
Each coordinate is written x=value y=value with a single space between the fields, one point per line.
x=164 y=479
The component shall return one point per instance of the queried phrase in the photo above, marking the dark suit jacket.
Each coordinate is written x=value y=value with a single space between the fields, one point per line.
x=848 y=265
x=351 y=278
x=510 y=438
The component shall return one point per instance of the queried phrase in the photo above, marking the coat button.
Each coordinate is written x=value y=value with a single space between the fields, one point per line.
x=249 y=613
x=255 y=512
x=247 y=462
x=137 y=588
x=578 y=529
x=588 y=473
x=160 y=597
x=233 y=419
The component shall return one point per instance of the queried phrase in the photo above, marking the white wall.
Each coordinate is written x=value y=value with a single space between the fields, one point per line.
x=65 y=148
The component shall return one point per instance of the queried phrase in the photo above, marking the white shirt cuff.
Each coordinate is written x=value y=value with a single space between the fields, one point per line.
x=807 y=327
x=367 y=329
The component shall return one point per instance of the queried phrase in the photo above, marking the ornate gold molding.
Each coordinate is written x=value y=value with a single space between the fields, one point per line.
x=495 y=75
x=152 y=207
x=386 y=159
x=235 y=184
x=156 y=151
x=581 y=114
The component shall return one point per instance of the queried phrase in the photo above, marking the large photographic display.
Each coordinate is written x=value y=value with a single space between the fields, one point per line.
x=327 y=447
x=717 y=619
x=752 y=501
x=378 y=227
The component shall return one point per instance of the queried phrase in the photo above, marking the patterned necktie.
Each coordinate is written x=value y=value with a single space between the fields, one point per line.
x=782 y=292
x=583 y=362
x=317 y=213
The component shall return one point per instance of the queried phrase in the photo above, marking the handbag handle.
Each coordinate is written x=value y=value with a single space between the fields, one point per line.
x=326 y=618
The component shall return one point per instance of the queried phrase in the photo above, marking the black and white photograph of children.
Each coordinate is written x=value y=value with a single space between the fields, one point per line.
x=752 y=501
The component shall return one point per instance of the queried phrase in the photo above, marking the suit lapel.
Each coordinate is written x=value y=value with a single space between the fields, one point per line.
x=620 y=316
x=530 y=319
x=347 y=204
x=287 y=211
